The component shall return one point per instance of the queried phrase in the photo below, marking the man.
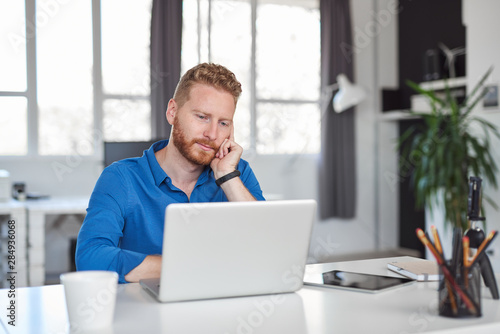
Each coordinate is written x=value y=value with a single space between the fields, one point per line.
x=123 y=229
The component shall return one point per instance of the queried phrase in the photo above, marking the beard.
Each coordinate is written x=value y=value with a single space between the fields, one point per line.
x=188 y=148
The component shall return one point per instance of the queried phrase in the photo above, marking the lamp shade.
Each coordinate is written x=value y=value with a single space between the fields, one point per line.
x=348 y=95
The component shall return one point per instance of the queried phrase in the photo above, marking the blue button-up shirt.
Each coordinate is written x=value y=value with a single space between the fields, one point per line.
x=126 y=213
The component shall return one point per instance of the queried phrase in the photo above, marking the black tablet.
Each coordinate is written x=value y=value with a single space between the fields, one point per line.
x=358 y=281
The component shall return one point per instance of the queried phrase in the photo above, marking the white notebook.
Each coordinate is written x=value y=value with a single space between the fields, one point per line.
x=420 y=270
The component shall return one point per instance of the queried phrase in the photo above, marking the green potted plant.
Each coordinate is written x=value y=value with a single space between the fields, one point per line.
x=447 y=149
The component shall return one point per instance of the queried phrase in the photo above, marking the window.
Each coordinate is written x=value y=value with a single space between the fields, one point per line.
x=125 y=70
x=13 y=84
x=273 y=46
x=74 y=73
x=64 y=77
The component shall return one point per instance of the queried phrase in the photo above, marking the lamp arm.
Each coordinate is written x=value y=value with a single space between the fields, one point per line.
x=326 y=96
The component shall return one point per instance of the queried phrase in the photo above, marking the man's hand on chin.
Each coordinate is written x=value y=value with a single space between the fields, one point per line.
x=227 y=158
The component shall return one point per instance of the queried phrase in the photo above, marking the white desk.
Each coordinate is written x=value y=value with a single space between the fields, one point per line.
x=410 y=309
x=37 y=210
x=30 y=217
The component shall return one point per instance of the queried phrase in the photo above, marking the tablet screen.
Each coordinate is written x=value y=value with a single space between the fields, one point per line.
x=367 y=282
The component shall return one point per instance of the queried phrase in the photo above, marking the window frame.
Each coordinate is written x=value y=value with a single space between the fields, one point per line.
x=31 y=95
x=99 y=96
x=254 y=99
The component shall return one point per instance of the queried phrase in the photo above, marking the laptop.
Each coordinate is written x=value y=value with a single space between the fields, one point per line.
x=231 y=249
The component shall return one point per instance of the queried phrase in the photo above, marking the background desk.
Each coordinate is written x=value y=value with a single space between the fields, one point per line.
x=30 y=217
x=410 y=309
x=37 y=212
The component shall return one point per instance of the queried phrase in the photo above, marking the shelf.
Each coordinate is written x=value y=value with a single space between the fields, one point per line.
x=396 y=115
x=420 y=103
x=441 y=84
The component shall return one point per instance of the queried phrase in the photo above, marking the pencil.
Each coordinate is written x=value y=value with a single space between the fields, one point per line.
x=470 y=305
x=423 y=238
x=465 y=241
x=437 y=241
x=451 y=295
x=486 y=242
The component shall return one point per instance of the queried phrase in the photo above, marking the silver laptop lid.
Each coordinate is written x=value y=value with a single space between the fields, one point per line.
x=226 y=249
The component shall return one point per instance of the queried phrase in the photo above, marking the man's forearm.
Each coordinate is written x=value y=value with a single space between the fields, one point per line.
x=150 y=267
x=236 y=191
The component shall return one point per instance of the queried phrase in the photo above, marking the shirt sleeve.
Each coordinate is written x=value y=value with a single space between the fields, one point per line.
x=250 y=180
x=99 y=237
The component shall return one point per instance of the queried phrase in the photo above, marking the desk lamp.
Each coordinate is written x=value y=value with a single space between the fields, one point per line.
x=348 y=95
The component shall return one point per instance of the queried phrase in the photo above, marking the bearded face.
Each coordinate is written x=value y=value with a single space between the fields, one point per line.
x=189 y=148
x=202 y=123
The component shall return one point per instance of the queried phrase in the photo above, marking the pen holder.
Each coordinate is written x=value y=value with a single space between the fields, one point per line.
x=462 y=298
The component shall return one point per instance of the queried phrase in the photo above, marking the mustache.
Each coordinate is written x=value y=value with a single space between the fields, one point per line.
x=205 y=142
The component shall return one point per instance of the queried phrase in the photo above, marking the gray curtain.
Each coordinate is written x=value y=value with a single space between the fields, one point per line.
x=337 y=172
x=166 y=37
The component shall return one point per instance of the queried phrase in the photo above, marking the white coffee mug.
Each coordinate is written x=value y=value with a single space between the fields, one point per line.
x=90 y=299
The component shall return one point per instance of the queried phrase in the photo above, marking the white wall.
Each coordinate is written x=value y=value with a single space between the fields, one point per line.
x=483 y=51
x=374 y=41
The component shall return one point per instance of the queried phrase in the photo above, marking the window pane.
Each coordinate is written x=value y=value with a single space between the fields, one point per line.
x=288 y=53
x=127 y=120
x=288 y=128
x=125 y=43
x=195 y=19
x=231 y=46
x=242 y=123
x=12 y=46
x=287 y=64
x=13 y=126
x=231 y=35
x=189 y=49
x=64 y=59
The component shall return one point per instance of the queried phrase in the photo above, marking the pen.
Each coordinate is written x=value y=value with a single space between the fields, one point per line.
x=439 y=248
x=470 y=305
x=456 y=250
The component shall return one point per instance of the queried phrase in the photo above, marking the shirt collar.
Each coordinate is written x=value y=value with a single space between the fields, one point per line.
x=159 y=174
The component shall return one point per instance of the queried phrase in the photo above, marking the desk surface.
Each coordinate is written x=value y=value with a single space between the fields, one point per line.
x=409 y=309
